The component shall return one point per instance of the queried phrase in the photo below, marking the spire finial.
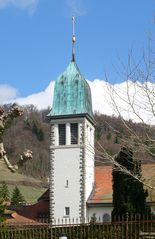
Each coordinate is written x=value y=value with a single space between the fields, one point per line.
x=73 y=38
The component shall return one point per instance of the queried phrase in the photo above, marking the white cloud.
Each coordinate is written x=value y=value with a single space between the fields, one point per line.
x=29 y=5
x=7 y=93
x=76 y=7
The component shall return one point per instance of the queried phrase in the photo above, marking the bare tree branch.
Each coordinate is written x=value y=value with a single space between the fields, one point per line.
x=5 y=119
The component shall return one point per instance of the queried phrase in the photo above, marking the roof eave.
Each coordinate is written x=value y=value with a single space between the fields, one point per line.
x=90 y=118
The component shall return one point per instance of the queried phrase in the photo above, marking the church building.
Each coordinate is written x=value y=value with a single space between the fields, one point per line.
x=78 y=189
x=72 y=144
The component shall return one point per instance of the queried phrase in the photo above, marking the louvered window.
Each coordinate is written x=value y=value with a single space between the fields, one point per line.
x=62 y=134
x=67 y=211
x=74 y=133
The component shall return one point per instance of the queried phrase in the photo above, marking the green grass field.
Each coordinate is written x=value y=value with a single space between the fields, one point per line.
x=30 y=188
x=31 y=194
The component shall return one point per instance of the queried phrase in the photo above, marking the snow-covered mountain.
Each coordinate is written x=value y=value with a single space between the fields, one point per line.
x=107 y=99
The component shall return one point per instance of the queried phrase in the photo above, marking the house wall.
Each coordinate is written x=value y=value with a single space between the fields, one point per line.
x=153 y=208
x=100 y=211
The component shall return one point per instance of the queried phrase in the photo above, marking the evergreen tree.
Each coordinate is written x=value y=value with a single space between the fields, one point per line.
x=116 y=140
x=2 y=208
x=4 y=196
x=4 y=192
x=129 y=194
x=40 y=135
x=17 y=198
x=37 y=131
x=34 y=127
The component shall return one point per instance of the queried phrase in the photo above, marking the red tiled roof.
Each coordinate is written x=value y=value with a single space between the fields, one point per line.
x=102 y=192
x=16 y=218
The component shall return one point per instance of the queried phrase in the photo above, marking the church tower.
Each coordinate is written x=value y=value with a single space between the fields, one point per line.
x=72 y=144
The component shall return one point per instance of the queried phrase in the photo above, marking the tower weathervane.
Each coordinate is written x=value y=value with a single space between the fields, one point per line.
x=73 y=38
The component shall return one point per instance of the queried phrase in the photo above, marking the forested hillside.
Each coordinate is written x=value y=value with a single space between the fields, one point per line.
x=32 y=131
x=29 y=131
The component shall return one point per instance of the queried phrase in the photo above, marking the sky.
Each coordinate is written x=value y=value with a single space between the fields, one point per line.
x=35 y=40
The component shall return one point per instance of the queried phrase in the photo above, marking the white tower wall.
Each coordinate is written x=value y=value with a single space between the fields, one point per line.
x=66 y=182
x=72 y=169
x=89 y=160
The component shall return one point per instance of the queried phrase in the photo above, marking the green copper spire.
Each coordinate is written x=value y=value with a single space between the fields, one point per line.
x=72 y=94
